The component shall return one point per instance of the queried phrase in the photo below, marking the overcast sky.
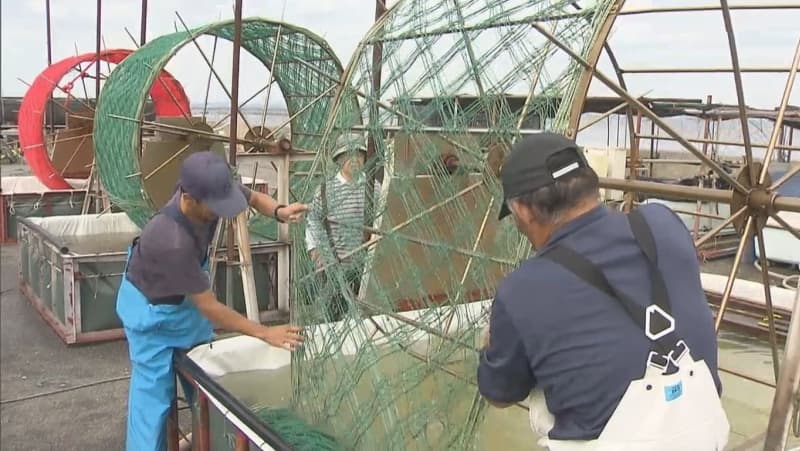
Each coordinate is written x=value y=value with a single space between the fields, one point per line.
x=665 y=40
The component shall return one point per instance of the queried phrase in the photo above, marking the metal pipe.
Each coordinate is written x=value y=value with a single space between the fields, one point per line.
x=50 y=112
x=746 y=377
x=785 y=177
x=780 y=203
x=787 y=386
x=737 y=78
x=640 y=106
x=788 y=227
x=673 y=161
x=704 y=70
x=605 y=115
x=233 y=134
x=143 y=29
x=443 y=130
x=664 y=189
x=612 y=58
x=49 y=34
x=237 y=47
x=478 y=27
x=747 y=235
x=719 y=142
x=98 y=39
x=376 y=173
x=204 y=428
x=773 y=336
x=173 y=428
x=686 y=9
x=776 y=130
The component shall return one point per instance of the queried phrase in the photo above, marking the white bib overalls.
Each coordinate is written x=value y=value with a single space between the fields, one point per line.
x=659 y=412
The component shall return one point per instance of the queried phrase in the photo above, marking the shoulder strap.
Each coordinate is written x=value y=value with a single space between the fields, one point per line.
x=656 y=319
x=175 y=213
x=326 y=223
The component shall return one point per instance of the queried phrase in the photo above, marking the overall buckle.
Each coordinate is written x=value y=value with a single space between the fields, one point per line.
x=677 y=353
x=658 y=361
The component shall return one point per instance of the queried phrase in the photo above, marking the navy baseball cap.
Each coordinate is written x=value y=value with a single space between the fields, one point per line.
x=207 y=177
x=536 y=161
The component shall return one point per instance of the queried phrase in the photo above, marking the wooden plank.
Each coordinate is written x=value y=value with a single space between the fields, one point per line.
x=246 y=265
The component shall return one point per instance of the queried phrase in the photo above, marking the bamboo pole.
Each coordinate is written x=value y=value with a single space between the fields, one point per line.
x=246 y=265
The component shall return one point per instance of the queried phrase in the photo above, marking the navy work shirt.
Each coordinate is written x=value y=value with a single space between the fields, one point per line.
x=551 y=330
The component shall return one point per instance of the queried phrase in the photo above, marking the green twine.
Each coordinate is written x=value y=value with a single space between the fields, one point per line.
x=296 y=432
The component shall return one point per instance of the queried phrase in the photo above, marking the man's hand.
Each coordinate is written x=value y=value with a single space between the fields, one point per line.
x=284 y=336
x=316 y=258
x=292 y=212
x=484 y=338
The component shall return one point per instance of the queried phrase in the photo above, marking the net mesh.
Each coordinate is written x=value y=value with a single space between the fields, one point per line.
x=304 y=69
x=459 y=81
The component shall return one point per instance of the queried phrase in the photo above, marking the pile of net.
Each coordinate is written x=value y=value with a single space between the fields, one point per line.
x=393 y=367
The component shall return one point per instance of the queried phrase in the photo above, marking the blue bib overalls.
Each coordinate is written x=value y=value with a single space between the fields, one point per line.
x=153 y=332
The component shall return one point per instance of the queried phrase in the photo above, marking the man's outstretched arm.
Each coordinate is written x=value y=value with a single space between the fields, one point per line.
x=266 y=205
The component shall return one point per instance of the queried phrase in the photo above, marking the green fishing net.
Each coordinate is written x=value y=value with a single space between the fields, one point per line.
x=459 y=82
x=304 y=69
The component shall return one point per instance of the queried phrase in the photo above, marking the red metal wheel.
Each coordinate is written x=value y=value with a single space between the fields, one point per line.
x=169 y=99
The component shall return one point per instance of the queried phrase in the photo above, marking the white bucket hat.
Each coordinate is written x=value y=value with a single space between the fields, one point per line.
x=348 y=142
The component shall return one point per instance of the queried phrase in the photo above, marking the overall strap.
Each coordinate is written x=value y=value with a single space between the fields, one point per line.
x=656 y=319
x=173 y=211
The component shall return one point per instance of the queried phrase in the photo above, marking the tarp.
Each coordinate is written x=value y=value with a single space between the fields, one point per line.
x=31 y=185
x=86 y=225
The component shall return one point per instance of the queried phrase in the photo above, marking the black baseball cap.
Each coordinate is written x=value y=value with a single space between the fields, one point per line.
x=536 y=161
x=207 y=177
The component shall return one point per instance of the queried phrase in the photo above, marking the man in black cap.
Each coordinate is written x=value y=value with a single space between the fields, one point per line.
x=606 y=328
x=165 y=299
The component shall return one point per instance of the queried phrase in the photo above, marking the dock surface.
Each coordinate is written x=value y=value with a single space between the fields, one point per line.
x=35 y=361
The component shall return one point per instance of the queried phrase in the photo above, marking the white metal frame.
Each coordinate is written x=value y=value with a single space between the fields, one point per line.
x=250 y=163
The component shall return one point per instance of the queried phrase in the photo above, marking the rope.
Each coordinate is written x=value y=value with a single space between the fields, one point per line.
x=64 y=390
x=117 y=141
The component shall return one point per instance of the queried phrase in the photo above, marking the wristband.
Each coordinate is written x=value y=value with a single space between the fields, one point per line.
x=275 y=213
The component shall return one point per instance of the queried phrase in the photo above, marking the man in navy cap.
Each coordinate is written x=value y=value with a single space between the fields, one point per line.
x=165 y=300
x=606 y=328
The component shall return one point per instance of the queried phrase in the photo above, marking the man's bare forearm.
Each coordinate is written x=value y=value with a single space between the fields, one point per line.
x=263 y=203
x=222 y=315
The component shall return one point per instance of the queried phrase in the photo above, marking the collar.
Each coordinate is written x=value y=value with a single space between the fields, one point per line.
x=591 y=216
x=341 y=179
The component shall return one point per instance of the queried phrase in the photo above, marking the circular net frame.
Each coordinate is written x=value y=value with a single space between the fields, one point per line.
x=304 y=67
x=436 y=121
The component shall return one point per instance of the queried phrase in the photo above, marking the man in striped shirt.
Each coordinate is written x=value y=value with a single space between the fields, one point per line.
x=333 y=235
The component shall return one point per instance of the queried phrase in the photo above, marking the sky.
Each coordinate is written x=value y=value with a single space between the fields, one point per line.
x=663 y=40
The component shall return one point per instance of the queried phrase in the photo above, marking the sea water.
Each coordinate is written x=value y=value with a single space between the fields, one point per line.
x=747 y=403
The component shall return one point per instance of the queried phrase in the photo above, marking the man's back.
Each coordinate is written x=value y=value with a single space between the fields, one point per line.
x=582 y=347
